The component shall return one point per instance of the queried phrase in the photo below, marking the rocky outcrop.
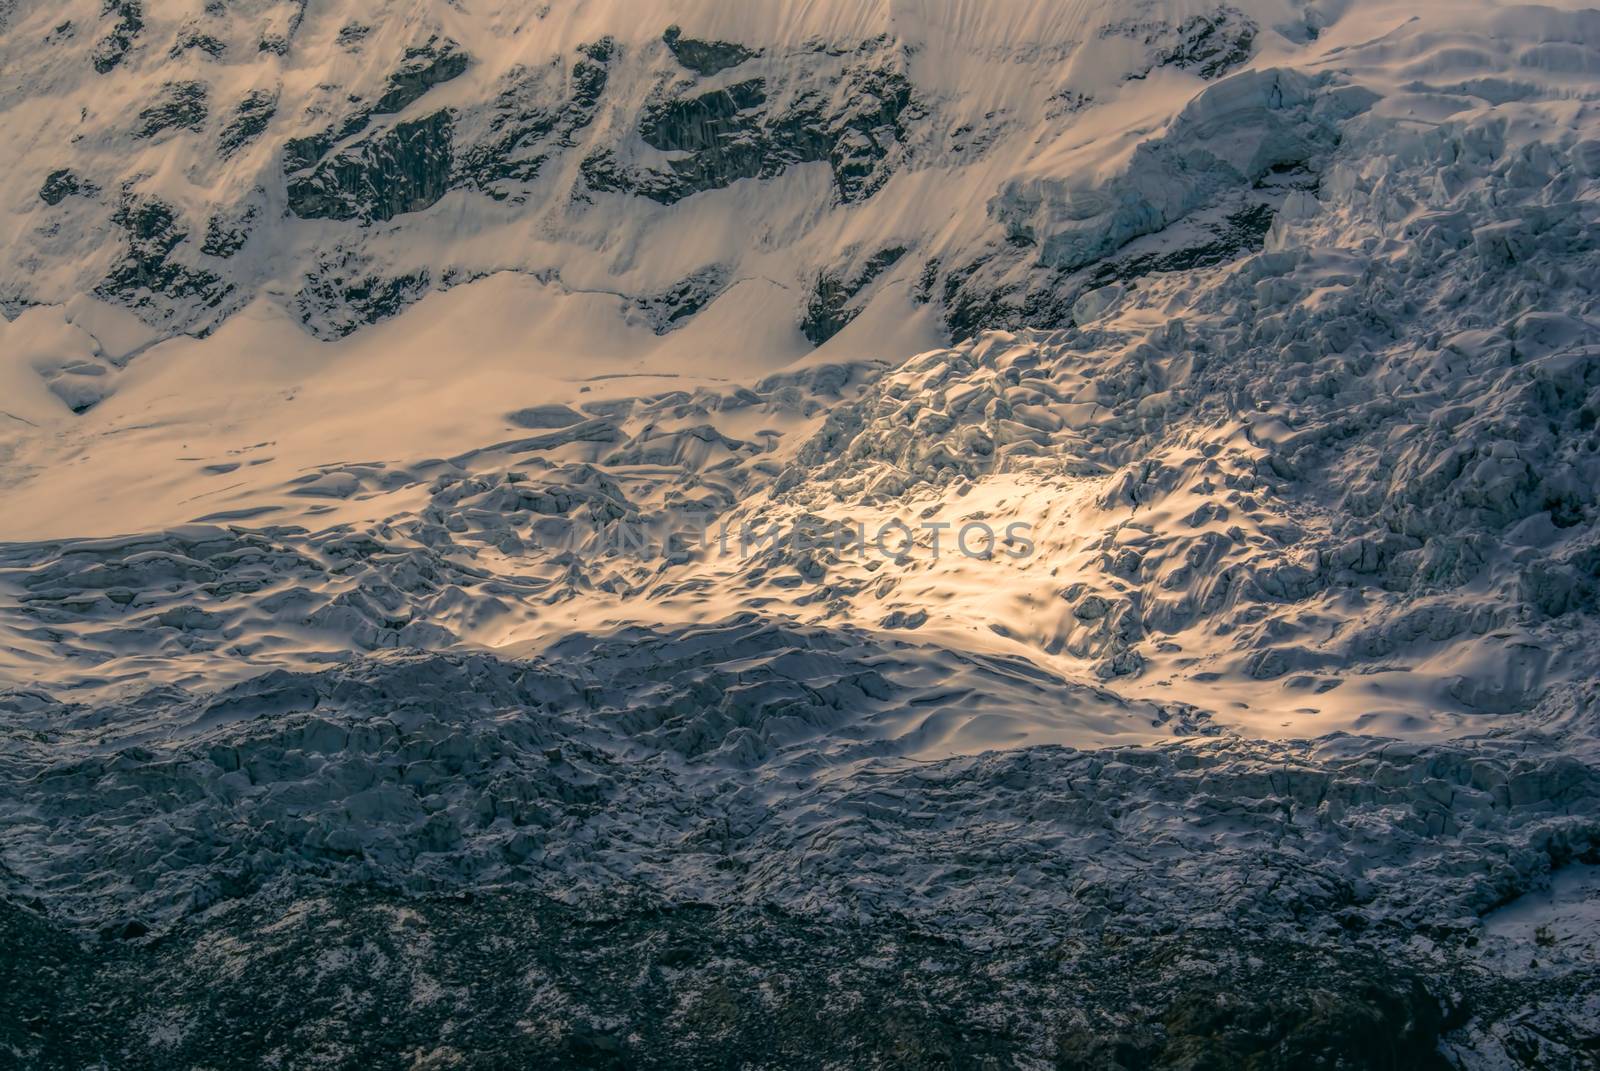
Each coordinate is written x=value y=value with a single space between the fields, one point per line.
x=1212 y=45
x=119 y=39
x=706 y=58
x=403 y=169
x=852 y=119
x=832 y=304
x=867 y=126
x=1209 y=44
x=63 y=183
x=523 y=128
x=282 y=25
x=192 y=38
x=345 y=293
x=226 y=235
x=149 y=276
x=424 y=67
x=351 y=35
x=673 y=306
x=250 y=118
x=723 y=137
x=1005 y=287
x=182 y=105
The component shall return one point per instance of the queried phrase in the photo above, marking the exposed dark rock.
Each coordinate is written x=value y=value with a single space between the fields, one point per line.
x=602 y=172
x=354 y=123
x=225 y=236
x=351 y=36
x=1005 y=288
x=344 y=294
x=404 y=169
x=589 y=77
x=671 y=307
x=1068 y=102
x=922 y=293
x=525 y=129
x=148 y=276
x=308 y=150
x=304 y=152
x=724 y=134
x=182 y=106
x=191 y=37
x=119 y=39
x=866 y=129
x=1209 y=45
x=709 y=123
x=706 y=57
x=277 y=36
x=517 y=149
x=974 y=300
x=737 y=132
x=690 y=986
x=153 y=232
x=1212 y=45
x=63 y=183
x=832 y=303
x=424 y=67
x=250 y=118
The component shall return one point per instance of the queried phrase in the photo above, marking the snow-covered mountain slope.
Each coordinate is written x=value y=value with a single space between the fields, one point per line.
x=457 y=450
x=346 y=161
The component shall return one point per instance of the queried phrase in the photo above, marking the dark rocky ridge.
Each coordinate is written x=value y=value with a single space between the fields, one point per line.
x=747 y=131
x=343 y=293
x=182 y=105
x=148 y=276
x=518 y=980
x=251 y=118
x=192 y=37
x=425 y=66
x=226 y=235
x=63 y=183
x=120 y=38
x=706 y=58
x=278 y=35
x=531 y=119
x=829 y=309
x=853 y=107
x=404 y=169
x=671 y=307
x=1210 y=44
x=351 y=36
x=1003 y=288
x=413 y=158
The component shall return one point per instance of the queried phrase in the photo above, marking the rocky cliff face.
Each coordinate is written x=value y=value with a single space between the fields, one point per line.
x=282 y=118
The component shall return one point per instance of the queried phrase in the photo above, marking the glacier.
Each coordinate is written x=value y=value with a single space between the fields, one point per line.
x=345 y=349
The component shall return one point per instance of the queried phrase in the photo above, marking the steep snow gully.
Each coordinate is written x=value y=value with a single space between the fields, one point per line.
x=843 y=535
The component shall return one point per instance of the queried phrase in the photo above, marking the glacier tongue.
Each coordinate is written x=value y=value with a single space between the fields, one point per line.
x=415 y=431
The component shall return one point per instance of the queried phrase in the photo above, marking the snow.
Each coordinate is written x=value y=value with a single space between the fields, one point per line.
x=323 y=589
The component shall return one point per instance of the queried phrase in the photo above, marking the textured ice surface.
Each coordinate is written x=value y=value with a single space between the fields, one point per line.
x=327 y=683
